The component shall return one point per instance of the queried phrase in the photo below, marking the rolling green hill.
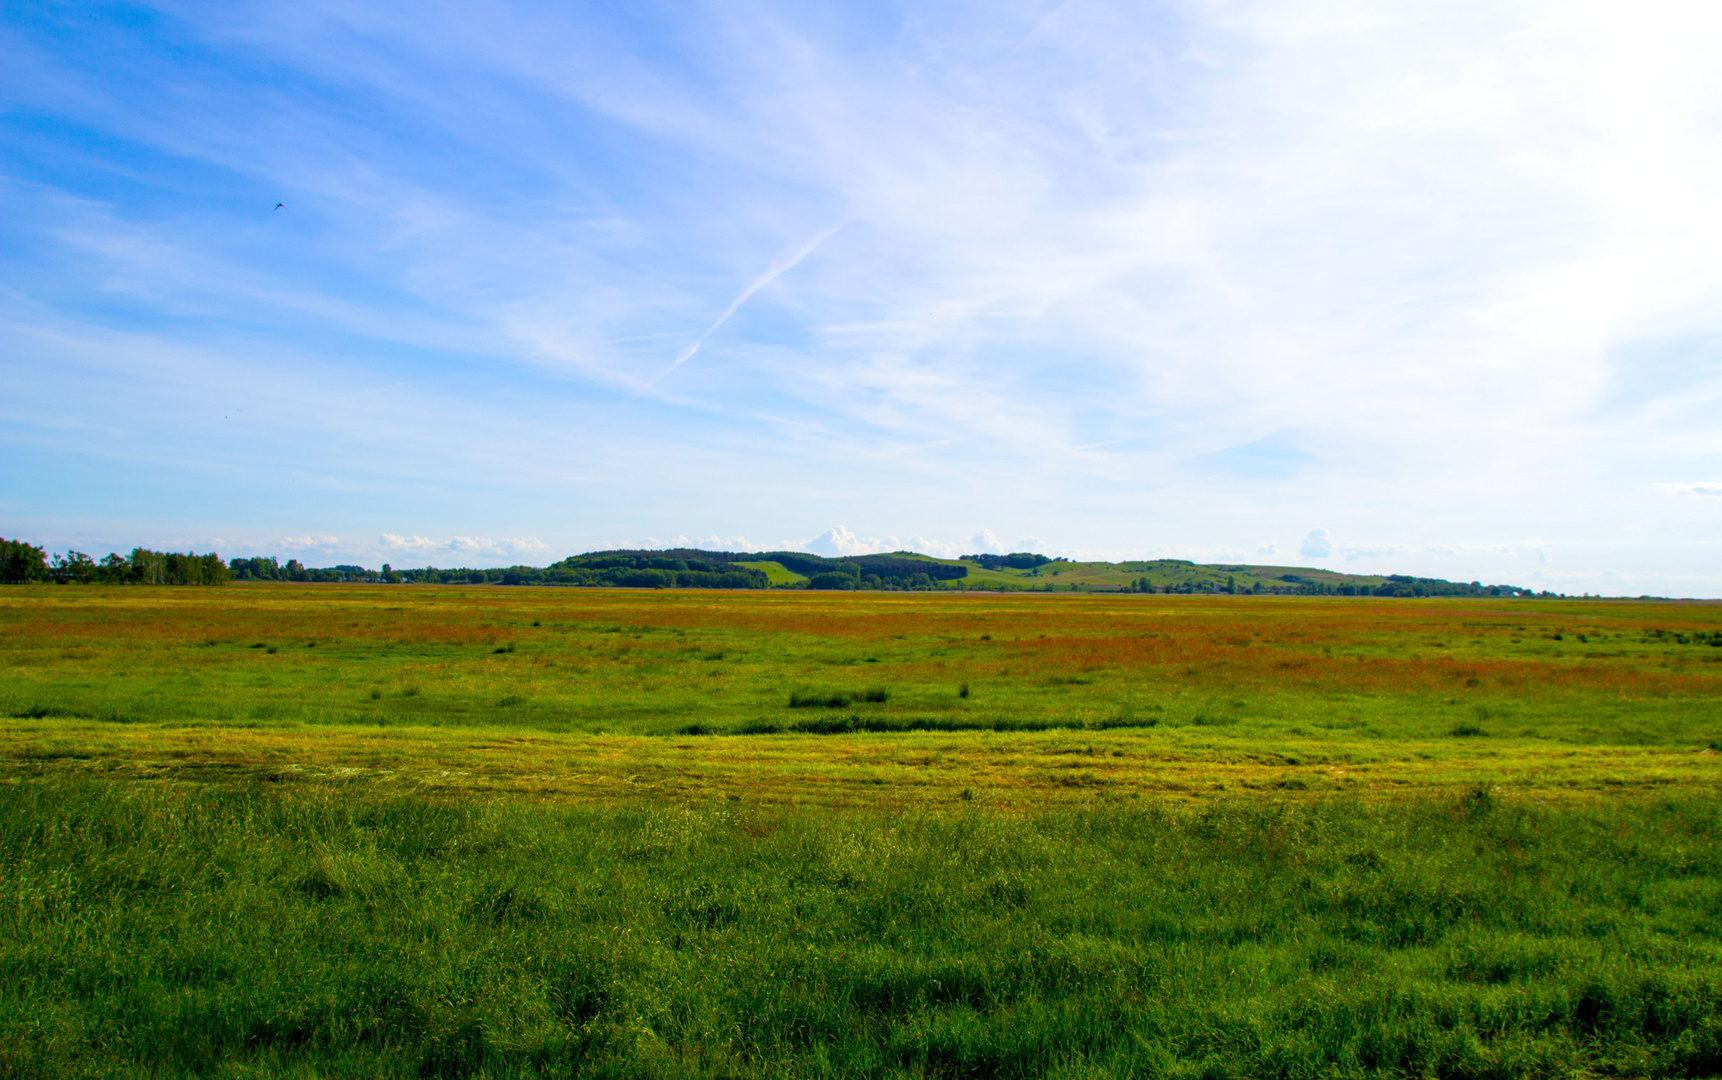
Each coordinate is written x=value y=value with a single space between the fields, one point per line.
x=1019 y=571
x=1026 y=571
x=776 y=573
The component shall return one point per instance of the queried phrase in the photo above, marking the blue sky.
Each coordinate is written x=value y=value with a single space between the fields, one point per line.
x=1410 y=288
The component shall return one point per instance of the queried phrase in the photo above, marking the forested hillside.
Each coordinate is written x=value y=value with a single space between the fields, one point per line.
x=691 y=568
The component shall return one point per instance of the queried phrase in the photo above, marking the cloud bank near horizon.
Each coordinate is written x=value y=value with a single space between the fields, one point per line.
x=1171 y=279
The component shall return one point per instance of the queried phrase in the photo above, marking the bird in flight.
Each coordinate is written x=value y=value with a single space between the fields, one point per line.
x=279 y=205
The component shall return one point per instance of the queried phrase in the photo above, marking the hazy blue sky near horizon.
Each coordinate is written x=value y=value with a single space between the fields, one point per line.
x=1428 y=289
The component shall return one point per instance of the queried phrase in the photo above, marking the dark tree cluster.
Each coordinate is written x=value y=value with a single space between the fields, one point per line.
x=677 y=568
x=142 y=567
x=1402 y=585
x=1016 y=560
x=21 y=562
x=834 y=579
x=1194 y=587
x=896 y=569
x=665 y=559
x=270 y=569
x=146 y=567
x=864 y=571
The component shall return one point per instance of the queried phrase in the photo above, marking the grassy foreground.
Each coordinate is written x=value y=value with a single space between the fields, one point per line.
x=370 y=831
x=249 y=932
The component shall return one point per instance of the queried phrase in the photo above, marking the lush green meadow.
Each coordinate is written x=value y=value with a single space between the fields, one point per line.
x=356 y=831
x=592 y=693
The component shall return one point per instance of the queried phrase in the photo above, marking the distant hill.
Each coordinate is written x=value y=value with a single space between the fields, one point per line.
x=1020 y=571
x=1024 y=570
x=694 y=568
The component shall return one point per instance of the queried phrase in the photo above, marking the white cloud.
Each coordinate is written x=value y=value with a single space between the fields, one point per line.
x=1701 y=487
x=839 y=540
x=1316 y=545
x=938 y=549
x=311 y=542
x=414 y=544
x=984 y=542
x=484 y=545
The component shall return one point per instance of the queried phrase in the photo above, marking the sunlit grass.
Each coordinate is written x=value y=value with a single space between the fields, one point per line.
x=1182 y=691
x=183 y=930
x=580 y=654
x=370 y=831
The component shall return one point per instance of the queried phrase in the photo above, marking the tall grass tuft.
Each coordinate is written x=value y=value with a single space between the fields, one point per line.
x=812 y=700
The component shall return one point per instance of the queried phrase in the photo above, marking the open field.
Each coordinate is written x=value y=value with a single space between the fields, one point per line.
x=285 y=830
x=689 y=691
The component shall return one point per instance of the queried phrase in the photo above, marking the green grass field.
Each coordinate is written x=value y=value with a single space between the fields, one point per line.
x=283 y=830
x=776 y=573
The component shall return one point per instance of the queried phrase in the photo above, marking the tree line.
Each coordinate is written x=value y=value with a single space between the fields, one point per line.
x=694 y=568
x=268 y=568
x=677 y=568
x=1396 y=585
x=1404 y=585
x=22 y=562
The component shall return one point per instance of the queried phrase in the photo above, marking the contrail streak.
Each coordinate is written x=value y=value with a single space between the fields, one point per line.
x=781 y=262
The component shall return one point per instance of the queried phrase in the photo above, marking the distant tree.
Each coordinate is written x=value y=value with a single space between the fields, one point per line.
x=148 y=567
x=257 y=568
x=1016 y=560
x=114 y=569
x=73 y=567
x=21 y=562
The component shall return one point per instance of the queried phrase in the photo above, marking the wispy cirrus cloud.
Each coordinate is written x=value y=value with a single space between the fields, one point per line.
x=1127 y=277
x=781 y=263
